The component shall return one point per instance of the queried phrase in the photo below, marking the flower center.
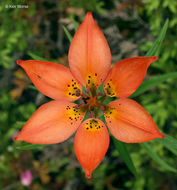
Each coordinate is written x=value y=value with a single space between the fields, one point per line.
x=91 y=101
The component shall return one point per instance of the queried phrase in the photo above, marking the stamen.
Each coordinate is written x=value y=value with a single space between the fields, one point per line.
x=85 y=99
x=79 y=106
x=102 y=108
x=101 y=94
x=90 y=114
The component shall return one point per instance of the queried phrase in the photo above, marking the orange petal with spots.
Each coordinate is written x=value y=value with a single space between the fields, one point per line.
x=52 y=79
x=126 y=76
x=129 y=122
x=90 y=144
x=89 y=54
x=53 y=122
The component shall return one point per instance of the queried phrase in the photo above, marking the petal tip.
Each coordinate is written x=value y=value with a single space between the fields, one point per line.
x=89 y=13
x=88 y=174
x=16 y=138
x=152 y=59
x=161 y=136
x=89 y=16
x=19 y=62
x=155 y=57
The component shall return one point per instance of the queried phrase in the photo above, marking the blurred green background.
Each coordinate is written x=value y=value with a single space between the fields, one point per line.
x=130 y=26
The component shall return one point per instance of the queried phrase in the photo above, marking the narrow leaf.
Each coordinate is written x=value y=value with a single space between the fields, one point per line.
x=154 y=81
x=86 y=116
x=32 y=87
x=76 y=26
x=170 y=143
x=156 y=158
x=36 y=57
x=19 y=124
x=121 y=147
x=156 y=46
x=110 y=99
x=69 y=36
x=100 y=89
x=30 y=146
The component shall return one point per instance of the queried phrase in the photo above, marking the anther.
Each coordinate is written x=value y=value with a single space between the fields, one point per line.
x=90 y=114
x=100 y=94
x=102 y=108
x=78 y=93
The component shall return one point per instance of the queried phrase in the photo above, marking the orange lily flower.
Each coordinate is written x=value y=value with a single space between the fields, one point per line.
x=89 y=60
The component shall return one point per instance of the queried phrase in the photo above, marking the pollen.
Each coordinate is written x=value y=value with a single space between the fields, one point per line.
x=93 y=125
x=110 y=89
x=74 y=114
x=91 y=80
x=73 y=89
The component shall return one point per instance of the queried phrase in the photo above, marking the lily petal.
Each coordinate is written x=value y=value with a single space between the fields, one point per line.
x=126 y=76
x=90 y=144
x=130 y=122
x=89 y=54
x=52 y=79
x=53 y=122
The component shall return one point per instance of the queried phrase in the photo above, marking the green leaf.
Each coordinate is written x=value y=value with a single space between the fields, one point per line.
x=76 y=26
x=100 y=89
x=170 y=143
x=19 y=124
x=69 y=36
x=154 y=81
x=146 y=85
x=86 y=116
x=36 y=57
x=156 y=158
x=110 y=99
x=84 y=90
x=121 y=147
x=101 y=117
x=32 y=87
x=156 y=46
x=30 y=146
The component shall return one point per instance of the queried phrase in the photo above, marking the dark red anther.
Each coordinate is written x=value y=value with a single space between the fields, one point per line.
x=102 y=108
x=101 y=94
x=78 y=93
x=90 y=114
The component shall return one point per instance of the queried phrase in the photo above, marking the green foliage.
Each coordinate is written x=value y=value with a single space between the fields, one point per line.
x=121 y=147
x=36 y=57
x=14 y=33
x=153 y=82
x=157 y=11
x=30 y=146
x=170 y=143
x=156 y=46
x=67 y=34
x=156 y=158
x=92 y=5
